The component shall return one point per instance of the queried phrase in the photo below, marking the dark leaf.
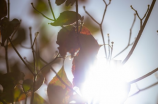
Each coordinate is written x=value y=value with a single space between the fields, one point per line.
x=58 y=93
x=27 y=84
x=7 y=28
x=67 y=41
x=59 y=2
x=15 y=22
x=20 y=36
x=86 y=55
x=66 y=18
x=70 y=2
x=3 y=8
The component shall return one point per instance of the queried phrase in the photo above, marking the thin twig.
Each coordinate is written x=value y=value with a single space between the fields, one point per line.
x=100 y=24
x=57 y=75
x=140 y=33
x=20 y=56
x=77 y=15
x=144 y=76
x=144 y=89
x=41 y=13
x=32 y=48
x=146 y=12
x=6 y=56
x=50 y=63
x=36 y=34
x=108 y=45
x=51 y=9
x=33 y=89
x=129 y=40
x=90 y=15
x=8 y=9
x=25 y=47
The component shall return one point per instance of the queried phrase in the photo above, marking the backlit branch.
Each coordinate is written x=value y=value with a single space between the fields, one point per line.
x=140 y=90
x=41 y=13
x=146 y=75
x=140 y=33
x=100 y=24
x=130 y=34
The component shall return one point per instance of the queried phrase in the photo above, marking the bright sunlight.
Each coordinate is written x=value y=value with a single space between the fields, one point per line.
x=105 y=83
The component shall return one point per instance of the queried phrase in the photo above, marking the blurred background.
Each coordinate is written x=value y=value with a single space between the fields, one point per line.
x=117 y=23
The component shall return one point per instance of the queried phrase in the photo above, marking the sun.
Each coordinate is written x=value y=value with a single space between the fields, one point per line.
x=105 y=83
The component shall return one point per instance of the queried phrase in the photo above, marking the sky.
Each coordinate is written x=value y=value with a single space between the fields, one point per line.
x=117 y=23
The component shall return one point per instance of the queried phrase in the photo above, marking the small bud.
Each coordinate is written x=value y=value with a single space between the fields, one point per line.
x=108 y=35
x=25 y=58
x=84 y=7
x=36 y=34
x=112 y=42
x=131 y=7
x=157 y=31
x=148 y=5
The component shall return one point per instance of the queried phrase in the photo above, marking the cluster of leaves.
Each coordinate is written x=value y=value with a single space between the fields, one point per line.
x=79 y=42
x=72 y=38
x=14 y=86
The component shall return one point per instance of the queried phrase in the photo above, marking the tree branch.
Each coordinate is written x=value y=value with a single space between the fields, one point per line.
x=140 y=33
x=144 y=76
x=41 y=13
x=20 y=56
x=154 y=84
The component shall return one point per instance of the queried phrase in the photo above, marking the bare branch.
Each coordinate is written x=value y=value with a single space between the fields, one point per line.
x=90 y=15
x=41 y=13
x=144 y=89
x=51 y=9
x=129 y=40
x=20 y=56
x=148 y=74
x=140 y=33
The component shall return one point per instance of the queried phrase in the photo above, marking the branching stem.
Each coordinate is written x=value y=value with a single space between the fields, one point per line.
x=140 y=33
x=51 y=9
x=20 y=57
x=100 y=24
x=148 y=74
x=41 y=13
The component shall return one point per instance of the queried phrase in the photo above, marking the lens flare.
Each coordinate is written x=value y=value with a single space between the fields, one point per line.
x=105 y=83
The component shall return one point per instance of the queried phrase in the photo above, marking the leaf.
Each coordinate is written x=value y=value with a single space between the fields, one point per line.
x=27 y=84
x=85 y=57
x=38 y=99
x=19 y=37
x=8 y=82
x=66 y=18
x=17 y=93
x=3 y=8
x=57 y=92
x=83 y=43
x=70 y=2
x=67 y=41
x=7 y=28
x=59 y=2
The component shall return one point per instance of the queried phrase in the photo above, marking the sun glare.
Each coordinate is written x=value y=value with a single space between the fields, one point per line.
x=105 y=83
